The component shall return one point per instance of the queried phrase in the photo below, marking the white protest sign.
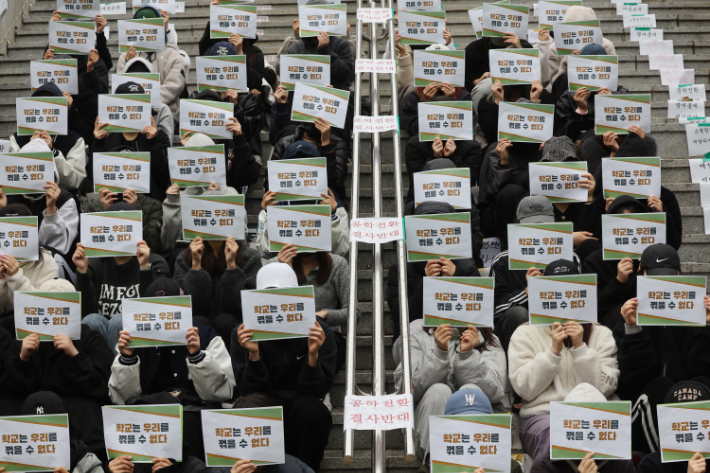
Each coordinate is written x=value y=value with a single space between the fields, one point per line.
x=161 y=5
x=379 y=124
x=637 y=177
x=305 y=226
x=525 y=122
x=619 y=112
x=378 y=412
x=645 y=34
x=143 y=432
x=379 y=66
x=699 y=170
x=562 y=298
x=374 y=15
x=86 y=8
x=72 y=37
x=670 y=300
x=421 y=27
x=310 y=68
x=275 y=314
x=233 y=18
x=687 y=120
x=314 y=19
x=419 y=5
x=113 y=8
x=458 y=301
x=490 y=250
x=119 y=172
x=50 y=114
x=676 y=77
x=685 y=109
x=35 y=443
x=19 y=237
x=577 y=428
x=255 y=434
x=476 y=17
x=514 y=66
x=149 y=81
x=221 y=73
x=559 y=181
x=376 y=229
x=197 y=166
x=437 y=67
x=157 y=321
x=445 y=120
x=298 y=179
x=666 y=61
x=206 y=116
x=438 y=236
x=111 y=233
x=574 y=35
x=627 y=235
x=704 y=195
x=60 y=72
x=468 y=442
x=533 y=36
x=631 y=9
x=539 y=244
x=683 y=427
x=500 y=20
x=698 y=137
x=213 y=217
x=315 y=101
x=706 y=219
x=125 y=113
x=593 y=72
x=684 y=93
x=636 y=21
x=451 y=185
x=48 y=314
x=26 y=173
x=650 y=48
x=553 y=11
x=145 y=35
x=4 y=146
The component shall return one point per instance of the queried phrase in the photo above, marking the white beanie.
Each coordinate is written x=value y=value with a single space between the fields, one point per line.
x=199 y=139
x=56 y=285
x=276 y=276
x=38 y=145
x=585 y=392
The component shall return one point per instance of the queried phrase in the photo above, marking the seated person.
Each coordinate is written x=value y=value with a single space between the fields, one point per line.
x=409 y=114
x=574 y=114
x=477 y=64
x=296 y=373
x=610 y=145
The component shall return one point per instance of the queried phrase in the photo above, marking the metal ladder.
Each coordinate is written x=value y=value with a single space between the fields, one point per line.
x=378 y=333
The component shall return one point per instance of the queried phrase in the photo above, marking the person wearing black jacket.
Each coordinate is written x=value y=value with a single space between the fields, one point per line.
x=574 y=112
x=477 y=63
x=296 y=373
x=417 y=271
x=409 y=115
x=242 y=46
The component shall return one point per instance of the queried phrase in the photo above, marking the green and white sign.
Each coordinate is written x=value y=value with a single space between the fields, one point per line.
x=451 y=185
x=619 y=112
x=72 y=37
x=149 y=81
x=26 y=173
x=143 y=432
x=60 y=72
x=525 y=122
x=438 y=67
x=35 y=443
x=274 y=314
x=515 y=66
x=197 y=166
x=316 y=101
x=157 y=321
x=421 y=27
x=213 y=217
x=47 y=314
x=232 y=18
x=331 y=19
x=146 y=35
x=627 y=235
x=593 y=72
x=305 y=226
x=309 y=68
x=553 y=11
x=501 y=20
x=571 y=36
x=458 y=301
x=125 y=113
x=432 y=237
x=111 y=233
x=298 y=179
x=559 y=181
x=683 y=427
x=19 y=237
x=671 y=300
x=119 y=172
x=207 y=117
x=535 y=245
x=49 y=114
x=563 y=298
x=445 y=120
x=637 y=177
x=221 y=73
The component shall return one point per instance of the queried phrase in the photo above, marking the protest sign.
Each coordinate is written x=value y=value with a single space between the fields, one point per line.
x=685 y=109
x=593 y=72
x=221 y=73
x=699 y=170
x=466 y=443
x=490 y=250
x=85 y=8
x=525 y=122
x=619 y=112
x=458 y=301
x=637 y=177
x=677 y=76
x=206 y=116
x=476 y=16
x=553 y=11
x=35 y=443
x=627 y=235
x=501 y=20
x=376 y=229
x=157 y=321
x=316 y=101
x=19 y=237
x=640 y=34
x=310 y=68
x=197 y=166
x=233 y=18
x=422 y=27
x=535 y=245
x=578 y=428
x=684 y=93
x=149 y=81
x=72 y=37
x=636 y=21
x=113 y=9
x=419 y=5
x=379 y=124
x=298 y=179
x=378 y=66
x=378 y=412
x=119 y=172
x=255 y=434
x=562 y=298
x=631 y=9
x=305 y=226
x=438 y=67
x=50 y=114
x=111 y=233
x=314 y=19
x=444 y=185
x=515 y=66
x=143 y=432
x=663 y=48
x=438 y=236
x=671 y=300
x=60 y=72
x=666 y=61
x=445 y=120
x=571 y=36
x=145 y=35
x=275 y=314
x=161 y=5
x=26 y=173
x=48 y=314
x=683 y=427
x=376 y=15
x=213 y=217
x=125 y=113
x=559 y=182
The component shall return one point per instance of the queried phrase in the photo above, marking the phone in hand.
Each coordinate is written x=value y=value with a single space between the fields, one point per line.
x=119 y=197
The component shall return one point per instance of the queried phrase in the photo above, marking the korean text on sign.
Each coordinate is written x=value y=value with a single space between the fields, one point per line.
x=627 y=235
x=458 y=301
x=206 y=116
x=298 y=179
x=306 y=226
x=671 y=300
x=310 y=68
x=119 y=172
x=376 y=230
x=445 y=120
x=19 y=237
x=48 y=314
x=574 y=35
x=378 y=412
x=145 y=35
x=593 y=72
x=619 y=112
x=515 y=66
x=500 y=20
x=213 y=217
x=562 y=299
x=538 y=244
x=143 y=432
x=60 y=72
x=553 y=11
x=125 y=113
x=38 y=442
x=226 y=20
x=157 y=321
x=437 y=67
x=421 y=27
x=26 y=173
x=525 y=122
x=331 y=19
x=315 y=101
x=637 y=177
x=197 y=166
x=111 y=233
x=559 y=182
x=49 y=114
x=438 y=236
x=684 y=427
x=72 y=37
x=444 y=185
x=273 y=314
x=149 y=81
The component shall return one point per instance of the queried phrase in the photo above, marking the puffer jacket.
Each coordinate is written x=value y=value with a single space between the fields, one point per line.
x=430 y=365
x=570 y=123
x=342 y=62
x=69 y=158
x=30 y=276
x=152 y=219
x=409 y=115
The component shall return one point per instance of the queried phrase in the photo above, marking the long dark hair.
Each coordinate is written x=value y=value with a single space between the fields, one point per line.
x=489 y=340
x=248 y=49
x=214 y=264
x=325 y=267
x=587 y=335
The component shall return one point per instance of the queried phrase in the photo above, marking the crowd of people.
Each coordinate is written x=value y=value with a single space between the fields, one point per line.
x=220 y=366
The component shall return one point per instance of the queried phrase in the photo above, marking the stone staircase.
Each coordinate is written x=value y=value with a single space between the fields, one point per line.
x=685 y=22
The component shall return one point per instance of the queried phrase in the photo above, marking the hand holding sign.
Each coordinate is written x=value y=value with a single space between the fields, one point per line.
x=244 y=336
x=559 y=335
x=469 y=339
x=588 y=465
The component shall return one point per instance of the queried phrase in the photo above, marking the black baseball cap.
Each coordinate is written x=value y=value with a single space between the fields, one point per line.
x=660 y=260
x=163 y=287
x=561 y=266
x=130 y=88
x=687 y=391
x=626 y=202
x=43 y=402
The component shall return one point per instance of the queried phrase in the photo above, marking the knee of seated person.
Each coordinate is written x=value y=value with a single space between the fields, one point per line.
x=439 y=391
x=518 y=314
x=310 y=409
